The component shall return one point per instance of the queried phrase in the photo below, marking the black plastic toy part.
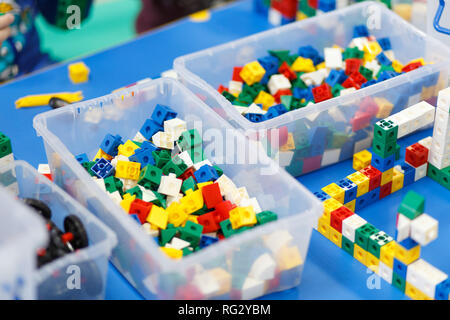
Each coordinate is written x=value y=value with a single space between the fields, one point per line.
x=74 y=225
x=40 y=207
x=56 y=103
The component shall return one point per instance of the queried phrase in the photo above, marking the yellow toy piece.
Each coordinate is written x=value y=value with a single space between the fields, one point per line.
x=290 y=143
x=359 y=254
x=44 y=99
x=323 y=226
x=191 y=218
x=372 y=262
x=387 y=176
x=387 y=253
x=203 y=184
x=334 y=191
x=303 y=65
x=361 y=160
x=362 y=182
x=264 y=98
x=78 y=72
x=172 y=252
x=127 y=149
x=252 y=72
x=397 y=66
x=351 y=205
x=373 y=48
x=397 y=180
x=301 y=16
x=128 y=170
x=321 y=65
x=192 y=201
x=176 y=216
x=407 y=256
x=329 y=206
x=415 y=293
x=288 y=258
x=126 y=202
x=102 y=154
x=242 y=217
x=158 y=217
x=335 y=237
x=384 y=107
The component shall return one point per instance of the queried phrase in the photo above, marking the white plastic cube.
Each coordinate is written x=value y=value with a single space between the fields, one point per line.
x=424 y=229
x=424 y=277
x=350 y=224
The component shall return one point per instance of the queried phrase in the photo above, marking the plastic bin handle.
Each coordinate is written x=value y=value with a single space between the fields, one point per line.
x=437 y=18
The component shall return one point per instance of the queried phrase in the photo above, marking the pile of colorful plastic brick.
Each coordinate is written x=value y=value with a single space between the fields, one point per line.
x=398 y=261
x=162 y=180
x=283 y=82
x=280 y=12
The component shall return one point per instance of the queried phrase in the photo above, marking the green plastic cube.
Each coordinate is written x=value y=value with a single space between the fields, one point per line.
x=161 y=157
x=376 y=241
x=363 y=233
x=87 y=166
x=353 y=53
x=347 y=245
x=228 y=96
x=282 y=55
x=166 y=235
x=382 y=148
x=160 y=200
x=189 y=139
x=196 y=154
x=336 y=90
x=244 y=98
x=175 y=166
x=226 y=228
x=218 y=170
x=135 y=191
x=266 y=216
x=366 y=73
x=444 y=180
x=397 y=152
x=398 y=282
x=386 y=131
x=112 y=184
x=150 y=177
x=189 y=183
x=412 y=205
x=191 y=232
x=5 y=145
x=434 y=173
x=187 y=251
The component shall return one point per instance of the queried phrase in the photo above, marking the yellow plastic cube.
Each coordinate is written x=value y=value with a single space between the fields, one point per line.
x=397 y=180
x=172 y=252
x=415 y=293
x=242 y=217
x=407 y=256
x=386 y=176
x=421 y=60
x=301 y=16
x=397 y=65
x=78 y=72
x=351 y=205
x=329 y=206
x=288 y=258
x=384 y=107
x=102 y=154
x=252 y=72
x=191 y=218
x=290 y=143
x=126 y=202
x=359 y=254
x=335 y=237
x=203 y=184
x=127 y=149
x=362 y=182
x=158 y=217
x=321 y=66
x=372 y=262
x=361 y=160
x=334 y=191
x=387 y=253
x=303 y=65
x=373 y=48
x=128 y=170
x=192 y=201
x=264 y=98
x=176 y=216
x=323 y=226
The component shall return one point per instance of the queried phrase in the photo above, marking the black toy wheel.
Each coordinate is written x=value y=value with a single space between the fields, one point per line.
x=40 y=207
x=74 y=225
x=56 y=103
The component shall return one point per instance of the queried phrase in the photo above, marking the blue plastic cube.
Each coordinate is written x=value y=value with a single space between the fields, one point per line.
x=373 y=195
x=256 y=117
x=147 y=145
x=144 y=157
x=382 y=164
x=360 y=31
x=162 y=113
x=385 y=75
x=369 y=83
x=385 y=44
x=275 y=111
x=327 y=5
x=135 y=217
x=400 y=268
x=205 y=173
x=408 y=244
x=335 y=77
x=82 y=158
x=149 y=128
x=350 y=189
x=207 y=240
x=409 y=173
x=102 y=168
x=443 y=290
x=382 y=59
x=110 y=144
x=270 y=64
x=322 y=196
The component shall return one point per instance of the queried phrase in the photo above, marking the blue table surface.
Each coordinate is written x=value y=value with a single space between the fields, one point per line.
x=329 y=272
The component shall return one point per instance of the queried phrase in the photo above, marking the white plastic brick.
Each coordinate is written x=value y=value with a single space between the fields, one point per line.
x=128 y=184
x=225 y=184
x=443 y=102
x=118 y=158
x=100 y=183
x=253 y=202
x=178 y=243
x=403 y=122
x=426 y=142
x=235 y=87
x=163 y=140
x=254 y=108
x=350 y=224
x=421 y=172
x=439 y=160
x=313 y=78
x=200 y=164
x=175 y=127
x=274 y=17
x=252 y=288
x=171 y=199
x=424 y=277
x=360 y=43
x=424 y=229
x=147 y=195
x=170 y=185
x=330 y=156
x=263 y=268
x=425 y=113
x=278 y=82
x=373 y=65
x=385 y=272
x=347 y=91
x=115 y=197
x=186 y=159
x=333 y=58
x=403 y=227
x=43 y=168
x=146 y=227
x=139 y=137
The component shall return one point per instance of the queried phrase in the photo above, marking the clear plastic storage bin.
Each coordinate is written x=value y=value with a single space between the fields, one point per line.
x=79 y=275
x=220 y=270
x=345 y=122
x=22 y=233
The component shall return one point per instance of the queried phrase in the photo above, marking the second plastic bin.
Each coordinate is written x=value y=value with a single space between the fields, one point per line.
x=220 y=270
x=22 y=233
x=79 y=275
x=344 y=122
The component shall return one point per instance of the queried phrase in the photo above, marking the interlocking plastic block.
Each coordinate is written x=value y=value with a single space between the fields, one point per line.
x=211 y=195
x=335 y=192
x=350 y=189
x=361 y=181
x=149 y=128
x=409 y=173
x=361 y=160
x=141 y=209
x=386 y=131
x=443 y=290
x=383 y=163
x=150 y=177
x=339 y=215
x=362 y=235
x=373 y=195
x=81 y=158
x=360 y=31
x=416 y=155
x=407 y=251
x=382 y=148
x=444 y=179
x=112 y=184
x=387 y=176
x=102 y=168
x=374 y=176
x=385 y=190
x=208 y=222
x=400 y=268
x=110 y=144
x=321 y=195
x=143 y=156
x=398 y=282
x=347 y=245
x=412 y=205
x=205 y=173
x=265 y=217
x=377 y=241
x=192 y=233
x=162 y=113
x=189 y=139
x=5 y=145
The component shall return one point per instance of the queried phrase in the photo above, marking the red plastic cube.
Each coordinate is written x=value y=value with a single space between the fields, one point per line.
x=322 y=93
x=374 y=176
x=282 y=92
x=287 y=8
x=221 y=89
x=222 y=211
x=313 y=3
x=208 y=222
x=279 y=135
x=385 y=189
x=416 y=155
x=141 y=208
x=368 y=105
x=211 y=195
x=350 y=83
x=360 y=120
x=236 y=74
x=285 y=70
x=186 y=174
x=352 y=65
x=358 y=78
x=412 y=66
x=339 y=215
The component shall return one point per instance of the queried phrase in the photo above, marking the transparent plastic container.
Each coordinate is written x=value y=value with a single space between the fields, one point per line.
x=442 y=32
x=218 y=270
x=202 y=72
x=80 y=275
x=22 y=233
